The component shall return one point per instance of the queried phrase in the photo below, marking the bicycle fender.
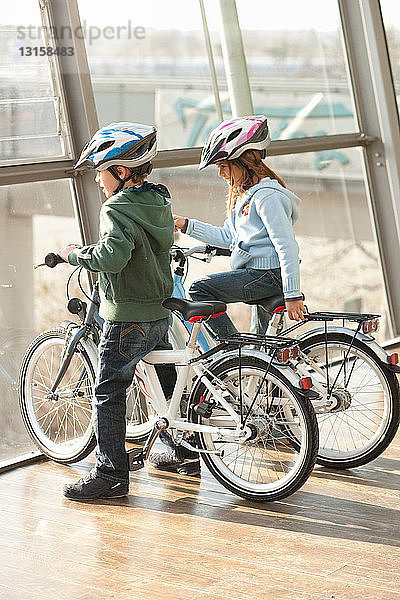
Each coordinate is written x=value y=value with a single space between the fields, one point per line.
x=286 y=370
x=379 y=352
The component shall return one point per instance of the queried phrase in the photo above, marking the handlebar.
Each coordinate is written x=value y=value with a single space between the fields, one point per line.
x=218 y=251
x=178 y=253
x=52 y=260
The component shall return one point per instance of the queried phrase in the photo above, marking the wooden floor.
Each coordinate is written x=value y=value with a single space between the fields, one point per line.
x=180 y=538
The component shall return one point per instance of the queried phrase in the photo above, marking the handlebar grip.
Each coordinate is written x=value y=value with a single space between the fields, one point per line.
x=219 y=251
x=52 y=260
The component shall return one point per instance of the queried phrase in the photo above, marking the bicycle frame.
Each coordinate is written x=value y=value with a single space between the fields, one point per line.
x=180 y=292
x=183 y=359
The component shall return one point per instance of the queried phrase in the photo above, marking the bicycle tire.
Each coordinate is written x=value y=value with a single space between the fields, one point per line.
x=268 y=467
x=358 y=434
x=61 y=428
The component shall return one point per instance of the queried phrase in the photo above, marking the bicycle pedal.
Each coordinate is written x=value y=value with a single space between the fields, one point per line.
x=135 y=459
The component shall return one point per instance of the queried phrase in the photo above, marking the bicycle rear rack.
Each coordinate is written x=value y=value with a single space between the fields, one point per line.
x=255 y=339
x=332 y=316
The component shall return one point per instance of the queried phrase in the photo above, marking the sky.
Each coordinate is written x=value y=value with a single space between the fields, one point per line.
x=321 y=15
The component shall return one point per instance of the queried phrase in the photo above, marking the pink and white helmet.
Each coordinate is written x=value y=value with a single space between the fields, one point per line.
x=233 y=137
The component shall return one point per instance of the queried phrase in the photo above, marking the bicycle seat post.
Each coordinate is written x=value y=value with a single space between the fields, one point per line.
x=275 y=323
x=194 y=334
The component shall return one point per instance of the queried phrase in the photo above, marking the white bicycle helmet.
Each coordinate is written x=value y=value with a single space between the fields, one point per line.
x=233 y=137
x=123 y=144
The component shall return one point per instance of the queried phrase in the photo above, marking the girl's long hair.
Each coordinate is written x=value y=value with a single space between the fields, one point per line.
x=252 y=170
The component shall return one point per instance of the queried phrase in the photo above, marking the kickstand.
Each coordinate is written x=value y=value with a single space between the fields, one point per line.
x=137 y=456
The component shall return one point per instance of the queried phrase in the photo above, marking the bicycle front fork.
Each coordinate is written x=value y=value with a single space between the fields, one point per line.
x=67 y=361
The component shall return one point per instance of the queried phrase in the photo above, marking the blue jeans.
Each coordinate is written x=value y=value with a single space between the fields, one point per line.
x=240 y=285
x=121 y=347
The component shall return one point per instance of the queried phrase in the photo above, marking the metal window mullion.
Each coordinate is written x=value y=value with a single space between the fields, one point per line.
x=377 y=114
x=42 y=171
x=80 y=107
x=211 y=63
x=234 y=60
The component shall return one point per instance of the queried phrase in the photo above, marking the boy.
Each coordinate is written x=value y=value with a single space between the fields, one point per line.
x=132 y=259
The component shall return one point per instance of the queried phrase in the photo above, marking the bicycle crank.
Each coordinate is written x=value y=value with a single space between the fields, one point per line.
x=137 y=456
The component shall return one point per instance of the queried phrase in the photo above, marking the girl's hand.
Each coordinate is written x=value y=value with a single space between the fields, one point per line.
x=179 y=222
x=295 y=309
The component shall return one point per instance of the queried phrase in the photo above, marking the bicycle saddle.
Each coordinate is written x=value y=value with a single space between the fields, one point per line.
x=195 y=310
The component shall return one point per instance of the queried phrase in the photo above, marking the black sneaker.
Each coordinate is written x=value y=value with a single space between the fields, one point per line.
x=91 y=487
x=164 y=461
x=189 y=467
x=168 y=461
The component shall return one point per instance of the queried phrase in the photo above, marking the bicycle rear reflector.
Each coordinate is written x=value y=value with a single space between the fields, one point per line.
x=306 y=383
x=393 y=359
x=370 y=326
x=288 y=354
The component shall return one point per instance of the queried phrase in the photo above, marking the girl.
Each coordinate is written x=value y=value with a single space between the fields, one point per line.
x=258 y=228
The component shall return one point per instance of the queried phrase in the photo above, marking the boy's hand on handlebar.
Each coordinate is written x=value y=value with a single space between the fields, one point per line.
x=65 y=251
x=179 y=222
x=295 y=309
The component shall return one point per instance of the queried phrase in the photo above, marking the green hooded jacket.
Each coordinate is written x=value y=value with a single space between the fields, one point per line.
x=132 y=254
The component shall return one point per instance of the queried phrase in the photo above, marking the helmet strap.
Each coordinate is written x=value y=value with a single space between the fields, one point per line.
x=122 y=182
x=146 y=168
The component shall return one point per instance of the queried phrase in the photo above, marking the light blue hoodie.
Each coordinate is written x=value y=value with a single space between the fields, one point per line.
x=259 y=232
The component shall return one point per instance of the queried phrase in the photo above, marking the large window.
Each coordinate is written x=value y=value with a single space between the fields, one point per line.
x=297 y=66
x=150 y=65
x=34 y=219
x=148 y=62
x=32 y=112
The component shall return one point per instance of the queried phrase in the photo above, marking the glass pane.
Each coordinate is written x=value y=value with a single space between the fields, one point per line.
x=151 y=67
x=35 y=218
x=30 y=106
x=391 y=18
x=340 y=267
x=297 y=66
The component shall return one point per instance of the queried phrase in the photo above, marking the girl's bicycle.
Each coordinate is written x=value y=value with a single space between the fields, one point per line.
x=254 y=425
x=358 y=397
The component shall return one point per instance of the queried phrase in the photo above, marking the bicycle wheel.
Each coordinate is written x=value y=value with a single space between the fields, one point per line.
x=61 y=427
x=281 y=453
x=366 y=416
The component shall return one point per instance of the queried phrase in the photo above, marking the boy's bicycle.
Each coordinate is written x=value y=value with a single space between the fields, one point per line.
x=253 y=422
x=358 y=403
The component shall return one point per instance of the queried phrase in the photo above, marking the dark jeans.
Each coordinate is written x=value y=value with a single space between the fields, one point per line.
x=240 y=285
x=122 y=345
